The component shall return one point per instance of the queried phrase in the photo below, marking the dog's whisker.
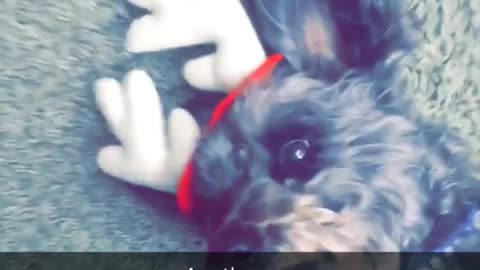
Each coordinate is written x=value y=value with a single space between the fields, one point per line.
x=382 y=94
x=373 y=160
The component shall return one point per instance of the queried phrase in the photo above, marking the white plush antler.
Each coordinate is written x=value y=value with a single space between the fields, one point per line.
x=148 y=155
x=180 y=23
x=134 y=113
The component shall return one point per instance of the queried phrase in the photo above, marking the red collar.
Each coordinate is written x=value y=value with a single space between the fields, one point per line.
x=260 y=75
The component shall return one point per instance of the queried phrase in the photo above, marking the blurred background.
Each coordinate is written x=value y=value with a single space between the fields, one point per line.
x=52 y=195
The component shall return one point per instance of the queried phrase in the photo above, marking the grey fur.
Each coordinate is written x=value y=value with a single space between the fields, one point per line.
x=381 y=178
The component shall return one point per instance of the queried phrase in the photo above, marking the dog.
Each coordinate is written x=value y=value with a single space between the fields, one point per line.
x=330 y=154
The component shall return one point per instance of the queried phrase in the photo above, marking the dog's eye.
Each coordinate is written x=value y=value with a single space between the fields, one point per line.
x=295 y=161
x=295 y=152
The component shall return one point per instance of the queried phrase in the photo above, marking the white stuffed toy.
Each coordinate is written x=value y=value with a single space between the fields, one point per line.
x=153 y=152
x=180 y=23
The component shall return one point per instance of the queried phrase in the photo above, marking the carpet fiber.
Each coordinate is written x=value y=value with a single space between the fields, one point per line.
x=52 y=195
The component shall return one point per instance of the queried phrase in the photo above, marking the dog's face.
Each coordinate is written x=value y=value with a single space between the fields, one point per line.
x=313 y=164
x=308 y=166
x=304 y=166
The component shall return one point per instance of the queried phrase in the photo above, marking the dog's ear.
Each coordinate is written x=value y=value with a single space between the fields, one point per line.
x=345 y=34
x=299 y=29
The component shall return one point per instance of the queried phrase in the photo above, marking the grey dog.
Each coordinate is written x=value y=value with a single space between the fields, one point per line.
x=332 y=155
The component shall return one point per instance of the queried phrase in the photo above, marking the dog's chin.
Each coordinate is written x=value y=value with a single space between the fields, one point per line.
x=288 y=256
x=304 y=225
x=326 y=246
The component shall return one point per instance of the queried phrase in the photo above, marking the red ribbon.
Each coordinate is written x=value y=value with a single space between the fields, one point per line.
x=260 y=75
